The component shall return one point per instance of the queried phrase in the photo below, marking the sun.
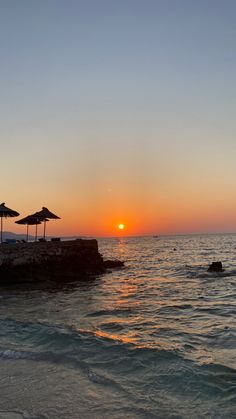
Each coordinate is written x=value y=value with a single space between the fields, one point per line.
x=121 y=226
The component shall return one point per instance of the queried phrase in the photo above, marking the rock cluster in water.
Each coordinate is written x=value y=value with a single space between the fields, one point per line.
x=216 y=267
x=113 y=264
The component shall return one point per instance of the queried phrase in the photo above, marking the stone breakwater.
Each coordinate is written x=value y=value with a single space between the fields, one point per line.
x=63 y=260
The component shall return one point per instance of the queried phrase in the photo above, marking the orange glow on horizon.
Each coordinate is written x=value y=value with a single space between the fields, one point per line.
x=174 y=215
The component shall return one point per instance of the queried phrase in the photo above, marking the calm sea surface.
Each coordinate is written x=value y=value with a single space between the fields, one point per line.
x=156 y=339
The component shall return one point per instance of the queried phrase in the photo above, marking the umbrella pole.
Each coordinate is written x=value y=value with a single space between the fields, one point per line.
x=27 y=232
x=1 y=229
x=44 y=229
x=36 y=232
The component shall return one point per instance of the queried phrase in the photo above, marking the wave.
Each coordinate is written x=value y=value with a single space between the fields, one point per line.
x=37 y=339
x=14 y=414
x=100 y=359
x=114 y=311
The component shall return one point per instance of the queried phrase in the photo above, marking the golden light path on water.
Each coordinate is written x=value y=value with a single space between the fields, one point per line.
x=158 y=290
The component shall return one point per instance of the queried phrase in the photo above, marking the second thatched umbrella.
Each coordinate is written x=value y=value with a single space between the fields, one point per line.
x=6 y=212
x=44 y=215
x=29 y=220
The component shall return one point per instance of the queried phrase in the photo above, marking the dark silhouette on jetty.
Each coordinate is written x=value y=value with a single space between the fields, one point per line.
x=28 y=221
x=37 y=218
x=6 y=212
x=44 y=215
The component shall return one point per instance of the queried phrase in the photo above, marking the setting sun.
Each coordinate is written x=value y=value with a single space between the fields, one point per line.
x=121 y=226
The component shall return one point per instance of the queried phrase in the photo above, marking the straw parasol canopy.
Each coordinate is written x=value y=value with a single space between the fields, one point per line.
x=44 y=215
x=6 y=212
x=29 y=220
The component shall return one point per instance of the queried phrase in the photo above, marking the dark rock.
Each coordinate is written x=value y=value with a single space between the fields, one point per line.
x=113 y=264
x=216 y=267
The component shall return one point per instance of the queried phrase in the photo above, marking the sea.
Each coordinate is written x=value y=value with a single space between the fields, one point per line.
x=155 y=339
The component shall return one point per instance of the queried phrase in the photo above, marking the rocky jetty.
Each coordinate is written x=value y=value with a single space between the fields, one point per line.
x=52 y=260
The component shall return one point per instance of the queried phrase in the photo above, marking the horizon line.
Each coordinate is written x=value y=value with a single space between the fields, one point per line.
x=129 y=236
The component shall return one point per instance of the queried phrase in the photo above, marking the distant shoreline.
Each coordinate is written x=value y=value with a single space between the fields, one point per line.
x=17 y=236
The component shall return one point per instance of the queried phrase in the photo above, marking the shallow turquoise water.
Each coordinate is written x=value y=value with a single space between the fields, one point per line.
x=156 y=339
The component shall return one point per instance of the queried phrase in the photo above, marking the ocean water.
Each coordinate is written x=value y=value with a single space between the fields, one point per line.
x=156 y=339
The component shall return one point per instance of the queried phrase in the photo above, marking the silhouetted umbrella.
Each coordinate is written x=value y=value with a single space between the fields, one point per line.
x=6 y=212
x=44 y=215
x=29 y=220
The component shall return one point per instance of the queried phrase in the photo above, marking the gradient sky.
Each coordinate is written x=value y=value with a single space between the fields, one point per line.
x=119 y=111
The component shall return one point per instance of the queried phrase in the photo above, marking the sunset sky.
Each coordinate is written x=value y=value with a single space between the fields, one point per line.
x=119 y=112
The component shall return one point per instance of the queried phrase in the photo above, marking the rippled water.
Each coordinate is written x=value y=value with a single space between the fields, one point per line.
x=156 y=339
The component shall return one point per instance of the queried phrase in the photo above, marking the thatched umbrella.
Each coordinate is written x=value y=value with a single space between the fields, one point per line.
x=29 y=220
x=6 y=212
x=44 y=215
